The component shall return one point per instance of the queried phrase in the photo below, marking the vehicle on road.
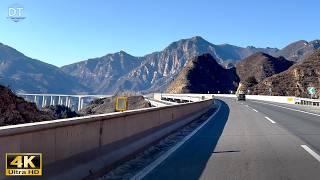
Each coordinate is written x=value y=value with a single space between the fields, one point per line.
x=241 y=97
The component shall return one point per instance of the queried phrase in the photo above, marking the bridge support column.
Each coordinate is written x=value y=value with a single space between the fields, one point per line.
x=43 y=101
x=67 y=100
x=35 y=100
x=59 y=100
x=79 y=103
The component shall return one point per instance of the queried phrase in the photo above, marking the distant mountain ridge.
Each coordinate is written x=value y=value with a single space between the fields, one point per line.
x=298 y=50
x=157 y=69
x=24 y=74
x=123 y=72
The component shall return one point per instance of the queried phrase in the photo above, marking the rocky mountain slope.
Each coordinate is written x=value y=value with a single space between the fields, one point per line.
x=261 y=66
x=102 y=74
x=294 y=81
x=24 y=74
x=107 y=105
x=203 y=74
x=154 y=71
x=15 y=110
x=298 y=50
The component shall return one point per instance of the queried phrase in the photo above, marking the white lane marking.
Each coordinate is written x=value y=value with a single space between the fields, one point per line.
x=289 y=108
x=270 y=120
x=310 y=151
x=254 y=110
x=163 y=157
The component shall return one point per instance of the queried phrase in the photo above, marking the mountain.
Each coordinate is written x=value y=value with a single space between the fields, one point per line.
x=102 y=74
x=203 y=74
x=298 y=50
x=154 y=71
x=261 y=66
x=24 y=74
x=295 y=80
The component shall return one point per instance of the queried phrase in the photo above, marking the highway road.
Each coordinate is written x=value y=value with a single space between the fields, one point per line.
x=251 y=141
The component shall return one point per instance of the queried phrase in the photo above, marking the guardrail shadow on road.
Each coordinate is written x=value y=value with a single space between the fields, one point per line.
x=189 y=161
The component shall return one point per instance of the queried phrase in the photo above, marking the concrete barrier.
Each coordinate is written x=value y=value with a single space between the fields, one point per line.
x=73 y=148
x=186 y=97
x=278 y=99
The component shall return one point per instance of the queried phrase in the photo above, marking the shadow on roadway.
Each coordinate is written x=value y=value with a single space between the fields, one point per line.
x=189 y=161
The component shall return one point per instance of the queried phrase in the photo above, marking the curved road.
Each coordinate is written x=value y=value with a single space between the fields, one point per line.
x=251 y=141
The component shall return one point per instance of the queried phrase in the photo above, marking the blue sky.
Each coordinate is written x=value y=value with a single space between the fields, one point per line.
x=61 y=32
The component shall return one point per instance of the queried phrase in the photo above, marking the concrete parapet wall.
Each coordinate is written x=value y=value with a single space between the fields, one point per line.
x=67 y=141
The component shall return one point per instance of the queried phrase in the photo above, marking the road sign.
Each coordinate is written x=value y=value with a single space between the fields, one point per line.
x=311 y=90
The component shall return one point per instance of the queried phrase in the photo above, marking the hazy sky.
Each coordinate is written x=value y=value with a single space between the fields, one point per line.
x=61 y=32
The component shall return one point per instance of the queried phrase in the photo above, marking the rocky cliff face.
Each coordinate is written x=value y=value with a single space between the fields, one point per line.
x=15 y=110
x=102 y=74
x=294 y=81
x=203 y=74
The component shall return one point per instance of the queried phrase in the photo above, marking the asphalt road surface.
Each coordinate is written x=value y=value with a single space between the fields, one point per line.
x=251 y=141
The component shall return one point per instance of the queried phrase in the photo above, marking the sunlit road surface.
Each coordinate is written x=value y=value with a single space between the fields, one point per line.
x=249 y=140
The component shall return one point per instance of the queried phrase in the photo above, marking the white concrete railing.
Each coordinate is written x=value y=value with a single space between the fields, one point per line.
x=77 y=146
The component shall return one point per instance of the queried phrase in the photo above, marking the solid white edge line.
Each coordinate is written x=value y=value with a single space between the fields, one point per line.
x=273 y=122
x=163 y=157
x=288 y=108
x=310 y=151
x=254 y=110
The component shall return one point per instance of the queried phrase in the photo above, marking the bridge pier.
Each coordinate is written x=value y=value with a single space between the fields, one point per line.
x=80 y=103
x=42 y=105
x=69 y=102
x=51 y=100
x=45 y=101
x=35 y=100
x=42 y=100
